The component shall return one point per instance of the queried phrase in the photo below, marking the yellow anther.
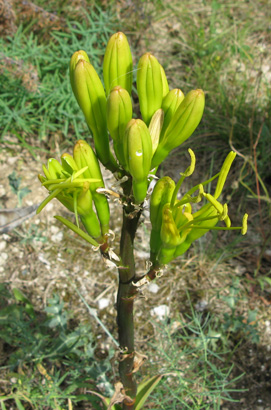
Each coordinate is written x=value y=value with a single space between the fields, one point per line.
x=189 y=171
x=224 y=173
x=244 y=224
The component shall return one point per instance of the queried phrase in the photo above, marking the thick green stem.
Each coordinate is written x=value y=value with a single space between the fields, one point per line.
x=125 y=305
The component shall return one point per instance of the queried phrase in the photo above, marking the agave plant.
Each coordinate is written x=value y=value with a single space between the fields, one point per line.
x=138 y=147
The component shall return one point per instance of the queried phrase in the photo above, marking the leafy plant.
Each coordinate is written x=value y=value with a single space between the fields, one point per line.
x=238 y=324
x=14 y=183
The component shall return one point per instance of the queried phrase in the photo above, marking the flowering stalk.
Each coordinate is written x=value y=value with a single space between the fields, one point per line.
x=140 y=145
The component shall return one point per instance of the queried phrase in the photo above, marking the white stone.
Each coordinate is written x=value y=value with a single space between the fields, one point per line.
x=161 y=312
x=153 y=287
x=57 y=237
x=54 y=229
x=43 y=260
x=2 y=191
x=3 y=244
x=11 y=160
x=3 y=258
x=103 y=303
x=49 y=207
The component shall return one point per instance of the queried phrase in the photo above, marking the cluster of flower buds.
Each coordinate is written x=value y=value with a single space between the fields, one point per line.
x=74 y=183
x=140 y=145
x=174 y=225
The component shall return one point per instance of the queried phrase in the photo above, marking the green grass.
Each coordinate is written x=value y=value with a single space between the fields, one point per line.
x=36 y=99
x=47 y=358
x=50 y=358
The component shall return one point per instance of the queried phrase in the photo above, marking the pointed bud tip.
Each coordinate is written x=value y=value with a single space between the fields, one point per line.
x=117 y=88
x=80 y=143
x=119 y=35
x=147 y=56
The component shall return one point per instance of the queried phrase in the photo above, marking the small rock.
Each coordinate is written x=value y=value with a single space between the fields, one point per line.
x=142 y=254
x=12 y=160
x=3 y=244
x=201 y=305
x=3 y=258
x=161 y=312
x=153 y=287
x=43 y=260
x=2 y=191
x=103 y=303
x=54 y=229
x=57 y=237
x=49 y=207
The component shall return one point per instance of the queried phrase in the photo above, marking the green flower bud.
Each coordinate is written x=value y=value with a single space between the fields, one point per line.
x=76 y=57
x=137 y=149
x=155 y=128
x=119 y=112
x=174 y=232
x=181 y=249
x=182 y=125
x=55 y=170
x=68 y=163
x=85 y=157
x=164 y=81
x=149 y=86
x=88 y=216
x=160 y=196
x=90 y=95
x=169 y=235
x=83 y=207
x=170 y=105
x=118 y=63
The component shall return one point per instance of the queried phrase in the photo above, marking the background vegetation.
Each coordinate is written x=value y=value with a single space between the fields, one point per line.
x=214 y=346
